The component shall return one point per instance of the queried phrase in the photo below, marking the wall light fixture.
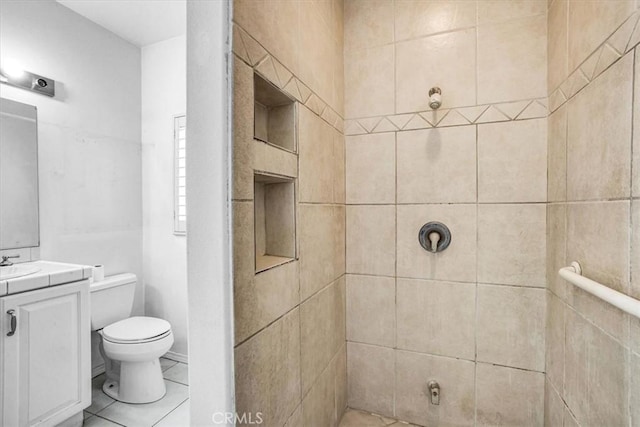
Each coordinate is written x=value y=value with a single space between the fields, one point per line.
x=13 y=75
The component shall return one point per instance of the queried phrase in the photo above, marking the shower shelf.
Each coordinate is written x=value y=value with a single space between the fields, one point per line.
x=274 y=115
x=275 y=225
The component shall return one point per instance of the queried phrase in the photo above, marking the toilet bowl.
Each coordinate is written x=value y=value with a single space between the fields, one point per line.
x=130 y=346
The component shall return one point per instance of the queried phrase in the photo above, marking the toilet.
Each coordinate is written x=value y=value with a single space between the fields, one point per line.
x=130 y=346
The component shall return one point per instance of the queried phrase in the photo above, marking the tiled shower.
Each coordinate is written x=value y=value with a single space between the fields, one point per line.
x=532 y=162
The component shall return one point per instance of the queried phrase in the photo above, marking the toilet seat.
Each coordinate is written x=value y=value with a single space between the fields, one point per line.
x=137 y=330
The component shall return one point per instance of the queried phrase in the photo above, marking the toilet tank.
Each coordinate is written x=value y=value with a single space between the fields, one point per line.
x=111 y=299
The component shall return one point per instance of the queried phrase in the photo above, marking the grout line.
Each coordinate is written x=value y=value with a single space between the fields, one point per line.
x=111 y=421
x=417 y=204
x=477 y=287
x=631 y=248
x=175 y=381
x=455 y=282
x=165 y=416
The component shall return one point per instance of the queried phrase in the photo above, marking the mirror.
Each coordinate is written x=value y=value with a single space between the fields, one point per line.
x=18 y=175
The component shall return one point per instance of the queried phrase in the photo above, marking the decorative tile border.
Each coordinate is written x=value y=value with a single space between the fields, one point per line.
x=253 y=54
x=624 y=39
x=489 y=113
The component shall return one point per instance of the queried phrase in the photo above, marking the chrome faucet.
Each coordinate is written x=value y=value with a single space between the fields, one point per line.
x=5 y=260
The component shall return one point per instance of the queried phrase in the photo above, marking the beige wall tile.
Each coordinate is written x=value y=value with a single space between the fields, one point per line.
x=636 y=125
x=274 y=24
x=557 y=156
x=369 y=93
x=339 y=78
x=318 y=406
x=268 y=378
x=340 y=363
x=492 y=11
x=322 y=331
x=371 y=168
x=553 y=406
x=456 y=379
x=556 y=248
x=594 y=361
x=371 y=310
x=322 y=246
x=590 y=23
x=416 y=18
x=371 y=378
x=511 y=244
x=243 y=241
x=511 y=326
x=504 y=72
x=242 y=130
x=569 y=420
x=635 y=388
x=598 y=238
x=437 y=165
x=457 y=262
x=509 y=397
x=371 y=240
x=316 y=159
x=368 y=23
x=602 y=314
x=558 y=55
x=635 y=248
x=317 y=47
x=296 y=418
x=455 y=73
x=599 y=151
x=512 y=161
x=262 y=299
x=578 y=332
x=339 y=168
x=555 y=339
x=437 y=317
x=634 y=342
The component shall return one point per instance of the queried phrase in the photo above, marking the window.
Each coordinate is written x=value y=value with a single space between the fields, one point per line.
x=180 y=176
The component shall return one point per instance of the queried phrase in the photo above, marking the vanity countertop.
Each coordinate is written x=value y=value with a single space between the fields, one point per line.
x=48 y=273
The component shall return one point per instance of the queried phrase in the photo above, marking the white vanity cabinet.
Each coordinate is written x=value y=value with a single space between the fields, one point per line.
x=46 y=363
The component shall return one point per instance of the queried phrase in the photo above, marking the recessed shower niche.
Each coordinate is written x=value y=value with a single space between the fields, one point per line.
x=274 y=115
x=275 y=220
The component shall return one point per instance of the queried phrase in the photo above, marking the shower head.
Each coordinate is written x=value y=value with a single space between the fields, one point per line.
x=435 y=98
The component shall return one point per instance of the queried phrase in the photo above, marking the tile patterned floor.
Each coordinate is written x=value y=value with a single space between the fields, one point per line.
x=355 y=418
x=170 y=411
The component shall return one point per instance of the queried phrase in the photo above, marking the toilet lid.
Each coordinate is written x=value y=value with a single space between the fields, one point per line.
x=136 y=329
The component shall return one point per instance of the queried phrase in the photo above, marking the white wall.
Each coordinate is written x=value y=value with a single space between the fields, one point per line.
x=89 y=135
x=208 y=181
x=164 y=96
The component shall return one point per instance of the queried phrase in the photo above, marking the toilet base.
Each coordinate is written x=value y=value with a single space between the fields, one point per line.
x=143 y=383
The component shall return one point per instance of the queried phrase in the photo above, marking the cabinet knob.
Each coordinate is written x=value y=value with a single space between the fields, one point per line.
x=14 y=322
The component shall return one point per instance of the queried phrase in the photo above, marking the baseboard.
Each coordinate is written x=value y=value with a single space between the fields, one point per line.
x=97 y=370
x=178 y=357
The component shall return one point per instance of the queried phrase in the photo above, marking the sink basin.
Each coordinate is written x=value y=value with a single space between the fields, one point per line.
x=14 y=271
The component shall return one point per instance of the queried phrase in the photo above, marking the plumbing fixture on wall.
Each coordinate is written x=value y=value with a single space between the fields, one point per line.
x=435 y=98
x=13 y=75
x=434 y=392
x=434 y=237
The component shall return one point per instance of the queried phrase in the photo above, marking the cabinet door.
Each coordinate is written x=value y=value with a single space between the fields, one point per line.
x=47 y=362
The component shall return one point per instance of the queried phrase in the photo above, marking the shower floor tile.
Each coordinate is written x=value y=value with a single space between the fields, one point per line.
x=355 y=418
